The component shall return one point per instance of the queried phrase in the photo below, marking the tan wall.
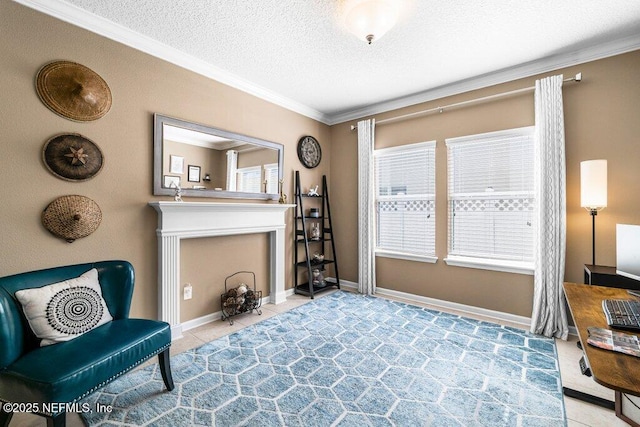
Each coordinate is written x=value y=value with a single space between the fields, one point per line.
x=601 y=121
x=260 y=157
x=141 y=86
x=208 y=283
x=601 y=116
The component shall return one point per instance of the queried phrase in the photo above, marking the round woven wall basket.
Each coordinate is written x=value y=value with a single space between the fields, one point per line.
x=72 y=217
x=73 y=91
x=72 y=157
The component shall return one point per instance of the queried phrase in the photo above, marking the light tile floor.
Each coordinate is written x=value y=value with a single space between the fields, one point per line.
x=578 y=413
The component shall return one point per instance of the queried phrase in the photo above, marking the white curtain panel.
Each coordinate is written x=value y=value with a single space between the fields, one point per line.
x=232 y=170
x=549 y=315
x=366 y=208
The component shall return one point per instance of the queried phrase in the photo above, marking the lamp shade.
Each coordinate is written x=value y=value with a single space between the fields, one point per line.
x=370 y=19
x=593 y=184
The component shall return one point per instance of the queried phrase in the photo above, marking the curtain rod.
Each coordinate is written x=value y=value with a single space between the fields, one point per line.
x=576 y=78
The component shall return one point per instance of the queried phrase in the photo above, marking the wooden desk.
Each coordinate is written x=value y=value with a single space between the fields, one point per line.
x=616 y=371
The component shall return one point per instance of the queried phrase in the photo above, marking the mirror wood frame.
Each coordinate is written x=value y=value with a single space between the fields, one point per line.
x=158 y=137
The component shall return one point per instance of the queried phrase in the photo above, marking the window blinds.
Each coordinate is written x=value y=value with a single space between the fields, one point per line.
x=405 y=199
x=491 y=195
x=271 y=176
x=249 y=179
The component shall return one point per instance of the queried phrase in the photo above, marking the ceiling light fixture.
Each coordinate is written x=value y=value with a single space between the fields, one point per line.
x=370 y=19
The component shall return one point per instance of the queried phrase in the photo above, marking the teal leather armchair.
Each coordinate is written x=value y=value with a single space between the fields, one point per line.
x=66 y=372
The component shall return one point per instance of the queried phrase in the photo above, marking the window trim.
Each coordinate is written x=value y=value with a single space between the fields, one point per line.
x=517 y=267
x=484 y=263
x=386 y=253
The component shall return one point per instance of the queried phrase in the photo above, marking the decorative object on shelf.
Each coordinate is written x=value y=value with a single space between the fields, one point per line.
x=593 y=194
x=314 y=213
x=313 y=192
x=314 y=231
x=318 y=278
x=177 y=196
x=240 y=299
x=194 y=173
x=72 y=217
x=369 y=20
x=73 y=91
x=283 y=197
x=309 y=151
x=207 y=177
x=318 y=257
x=72 y=157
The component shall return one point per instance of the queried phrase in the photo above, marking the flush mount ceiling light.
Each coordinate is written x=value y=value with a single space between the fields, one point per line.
x=370 y=19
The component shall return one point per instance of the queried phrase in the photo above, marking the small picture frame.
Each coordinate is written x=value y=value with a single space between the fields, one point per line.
x=194 y=173
x=171 y=181
x=176 y=164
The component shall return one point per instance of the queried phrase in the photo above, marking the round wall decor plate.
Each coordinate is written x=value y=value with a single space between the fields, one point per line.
x=309 y=151
x=72 y=217
x=72 y=157
x=73 y=91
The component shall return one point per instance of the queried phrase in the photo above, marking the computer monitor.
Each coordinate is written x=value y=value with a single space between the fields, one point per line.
x=628 y=250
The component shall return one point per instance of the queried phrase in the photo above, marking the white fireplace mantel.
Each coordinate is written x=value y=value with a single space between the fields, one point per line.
x=185 y=220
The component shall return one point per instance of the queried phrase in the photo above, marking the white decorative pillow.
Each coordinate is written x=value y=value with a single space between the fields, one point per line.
x=65 y=310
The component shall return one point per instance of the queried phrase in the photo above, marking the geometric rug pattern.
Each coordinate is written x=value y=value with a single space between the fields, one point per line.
x=349 y=360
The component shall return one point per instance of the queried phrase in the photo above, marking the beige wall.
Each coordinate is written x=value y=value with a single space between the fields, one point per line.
x=141 y=86
x=601 y=121
x=601 y=116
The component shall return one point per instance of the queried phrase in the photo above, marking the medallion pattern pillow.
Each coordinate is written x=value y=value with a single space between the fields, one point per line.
x=65 y=310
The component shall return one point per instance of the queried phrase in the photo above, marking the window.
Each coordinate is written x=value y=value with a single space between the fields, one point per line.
x=271 y=177
x=249 y=179
x=405 y=201
x=491 y=200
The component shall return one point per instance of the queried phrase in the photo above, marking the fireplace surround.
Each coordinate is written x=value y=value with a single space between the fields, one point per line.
x=187 y=220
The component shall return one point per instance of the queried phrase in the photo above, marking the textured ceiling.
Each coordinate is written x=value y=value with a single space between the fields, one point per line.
x=300 y=51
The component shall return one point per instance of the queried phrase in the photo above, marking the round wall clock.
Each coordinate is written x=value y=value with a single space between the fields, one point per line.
x=309 y=151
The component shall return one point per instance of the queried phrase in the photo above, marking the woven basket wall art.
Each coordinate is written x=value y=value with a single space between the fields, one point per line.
x=72 y=217
x=72 y=157
x=73 y=91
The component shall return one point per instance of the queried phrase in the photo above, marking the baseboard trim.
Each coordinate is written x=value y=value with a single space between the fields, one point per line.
x=212 y=317
x=499 y=316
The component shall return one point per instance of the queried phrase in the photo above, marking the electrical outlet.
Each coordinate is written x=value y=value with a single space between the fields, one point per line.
x=188 y=291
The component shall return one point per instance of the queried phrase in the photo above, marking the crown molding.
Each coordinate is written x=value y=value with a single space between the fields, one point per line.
x=103 y=27
x=544 y=65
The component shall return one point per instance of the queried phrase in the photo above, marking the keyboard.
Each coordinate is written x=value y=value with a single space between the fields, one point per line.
x=622 y=313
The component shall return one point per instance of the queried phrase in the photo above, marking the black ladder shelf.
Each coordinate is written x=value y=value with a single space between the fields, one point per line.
x=315 y=263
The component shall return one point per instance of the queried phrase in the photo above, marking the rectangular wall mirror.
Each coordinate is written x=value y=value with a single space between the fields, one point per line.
x=210 y=162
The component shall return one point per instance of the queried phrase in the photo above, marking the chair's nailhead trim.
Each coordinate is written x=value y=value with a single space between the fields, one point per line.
x=124 y=371
x=113 y=377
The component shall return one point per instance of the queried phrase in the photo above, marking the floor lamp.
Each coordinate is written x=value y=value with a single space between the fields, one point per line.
x=593 y=194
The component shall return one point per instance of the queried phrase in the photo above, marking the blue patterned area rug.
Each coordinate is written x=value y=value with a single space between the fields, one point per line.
x=350 y=360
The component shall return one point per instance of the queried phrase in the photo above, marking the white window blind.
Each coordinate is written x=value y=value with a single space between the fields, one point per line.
x=491 y=195
x=271 y=177
x=405 y=199
x=249 y=179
